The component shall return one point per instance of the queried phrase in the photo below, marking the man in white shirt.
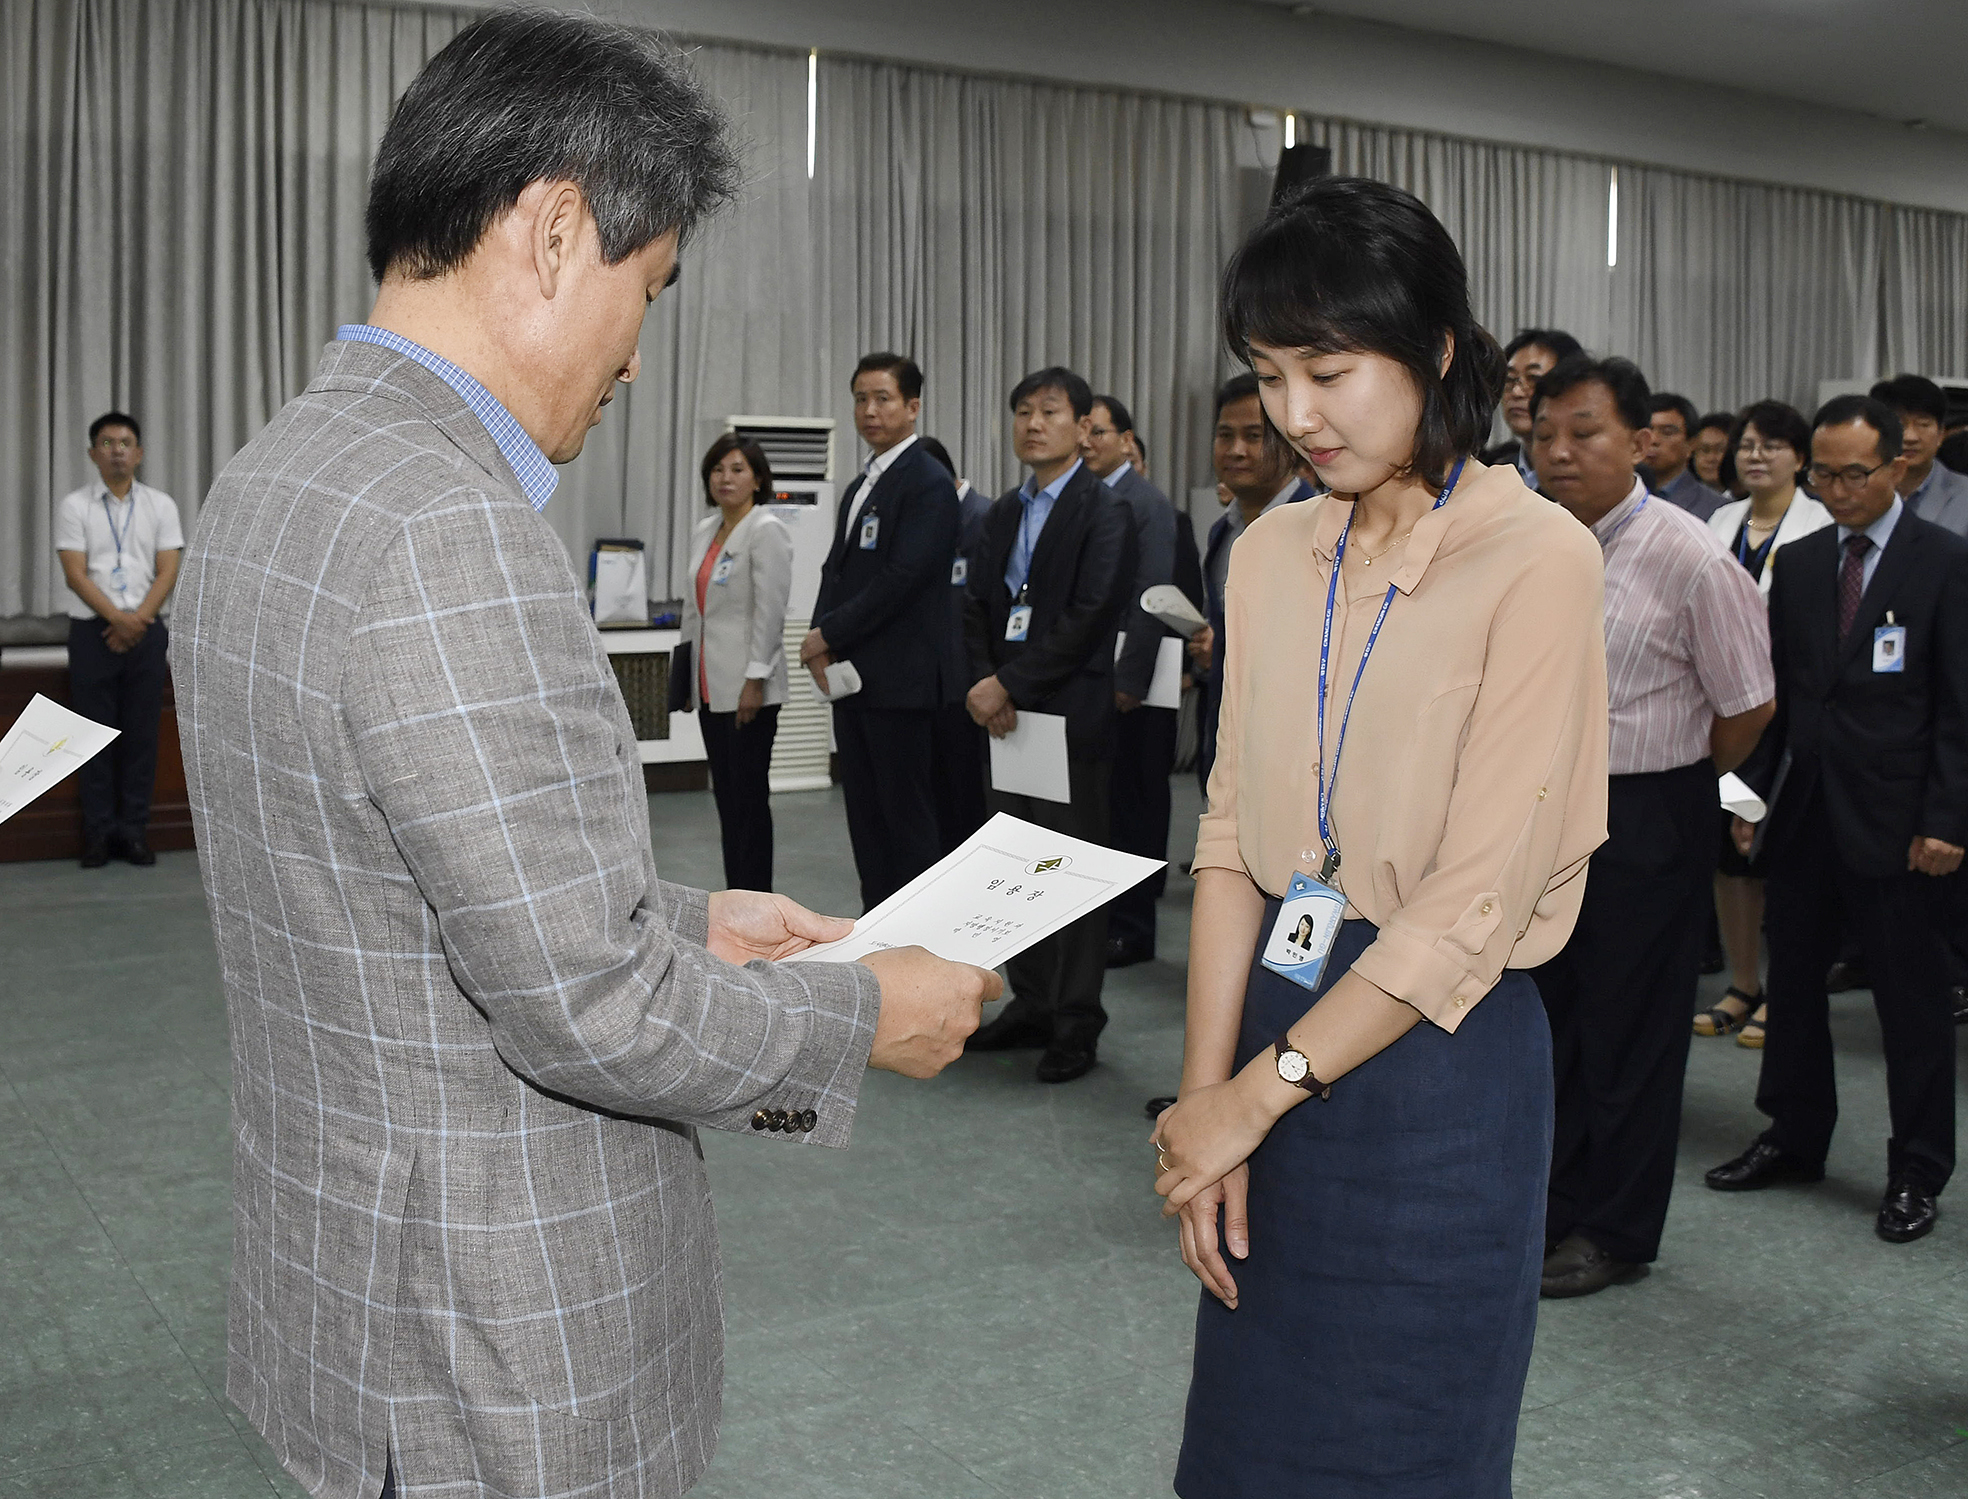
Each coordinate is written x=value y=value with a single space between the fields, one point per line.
x=119 y=543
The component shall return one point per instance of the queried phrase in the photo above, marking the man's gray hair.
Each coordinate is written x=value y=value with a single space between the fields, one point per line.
x=526 y=96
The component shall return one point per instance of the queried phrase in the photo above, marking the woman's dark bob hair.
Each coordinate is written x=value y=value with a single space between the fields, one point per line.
x=751 y=452
x=1352 y=266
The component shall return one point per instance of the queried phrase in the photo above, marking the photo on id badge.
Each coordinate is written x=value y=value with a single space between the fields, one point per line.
x=1889 y=646
x=1302 y=936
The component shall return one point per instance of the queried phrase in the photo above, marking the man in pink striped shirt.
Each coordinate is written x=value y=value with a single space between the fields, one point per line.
x=1689 y=689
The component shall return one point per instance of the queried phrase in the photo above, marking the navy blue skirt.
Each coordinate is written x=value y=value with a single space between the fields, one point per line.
x=1386 y=1312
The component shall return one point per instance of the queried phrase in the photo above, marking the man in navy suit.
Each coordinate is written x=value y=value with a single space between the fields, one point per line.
x=1259 y=471
x=1865 y=768
x=1144 y=747
x=884 y=605
x=1048 y=583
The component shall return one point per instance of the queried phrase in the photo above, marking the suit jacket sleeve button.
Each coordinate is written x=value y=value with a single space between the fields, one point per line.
x=808 y=1120
x=761 y=1119
x=779 y=1119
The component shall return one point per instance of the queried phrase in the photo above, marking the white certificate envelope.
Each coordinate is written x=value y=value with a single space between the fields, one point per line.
x=46 y=745
x=1165 y=686
x=1171 y=606
x=1738 y=798
x=1031 y=759
x=843 y=680
x=1010 y=885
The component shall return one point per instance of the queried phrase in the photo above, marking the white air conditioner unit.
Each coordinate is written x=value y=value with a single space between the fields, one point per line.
x=801 y=452
x=797 y=447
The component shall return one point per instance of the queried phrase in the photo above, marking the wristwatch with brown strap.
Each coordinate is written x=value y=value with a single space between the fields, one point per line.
x=1296 y=1068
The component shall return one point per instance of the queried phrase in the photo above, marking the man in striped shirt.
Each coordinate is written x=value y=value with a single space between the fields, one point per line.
x=1689 y=689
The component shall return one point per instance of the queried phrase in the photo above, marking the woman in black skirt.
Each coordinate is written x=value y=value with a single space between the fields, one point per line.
x=1413 y=754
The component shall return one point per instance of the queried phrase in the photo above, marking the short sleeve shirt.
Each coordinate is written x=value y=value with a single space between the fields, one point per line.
x=113 y=533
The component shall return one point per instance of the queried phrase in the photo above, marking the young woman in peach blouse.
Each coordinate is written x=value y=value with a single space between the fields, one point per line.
x=1412 y=752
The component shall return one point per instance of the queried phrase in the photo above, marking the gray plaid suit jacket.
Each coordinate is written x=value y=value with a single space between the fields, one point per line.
x=472 y=1032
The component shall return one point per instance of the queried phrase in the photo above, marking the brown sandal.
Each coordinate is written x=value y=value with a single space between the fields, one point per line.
x=1717 y=1021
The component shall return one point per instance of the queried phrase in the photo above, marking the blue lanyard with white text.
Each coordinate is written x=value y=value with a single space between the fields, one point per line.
x=129 y=523
x=1331 y=865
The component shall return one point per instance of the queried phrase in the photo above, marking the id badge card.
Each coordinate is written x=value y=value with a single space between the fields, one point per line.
x=721 y=573
x=117 y=578
x=870 y=529
x=1018 y=622
x=1889 y=648
x=1303 y=935
x=960 y=572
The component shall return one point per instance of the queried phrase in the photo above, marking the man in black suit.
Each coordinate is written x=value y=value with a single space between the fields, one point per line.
x=884 y=605
x=1866 y=769
x=1048 y=585
x=1144 y=735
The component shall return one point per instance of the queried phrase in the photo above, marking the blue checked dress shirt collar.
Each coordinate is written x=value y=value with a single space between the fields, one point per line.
x=533 y=469
x=1038 y=510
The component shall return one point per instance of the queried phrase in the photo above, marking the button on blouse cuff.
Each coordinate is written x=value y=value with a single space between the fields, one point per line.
x=1443 y=988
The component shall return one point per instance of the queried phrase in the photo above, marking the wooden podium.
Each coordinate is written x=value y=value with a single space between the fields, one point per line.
x=52 y=827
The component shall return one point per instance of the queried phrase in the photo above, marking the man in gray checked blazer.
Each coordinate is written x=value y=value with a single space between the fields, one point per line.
x=473 y=1033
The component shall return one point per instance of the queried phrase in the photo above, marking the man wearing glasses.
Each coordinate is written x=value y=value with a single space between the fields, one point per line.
x=1532 y=354
x=1865 y=767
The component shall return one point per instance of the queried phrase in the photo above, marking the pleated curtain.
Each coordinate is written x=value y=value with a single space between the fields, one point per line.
x=182 y=185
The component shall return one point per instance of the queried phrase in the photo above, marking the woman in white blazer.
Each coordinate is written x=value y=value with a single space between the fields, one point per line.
x=1771 y=443
x=734 y=620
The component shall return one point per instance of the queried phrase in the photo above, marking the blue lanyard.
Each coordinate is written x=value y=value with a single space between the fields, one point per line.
x=1331 y=866
x=129 y=523
x=1607 y=543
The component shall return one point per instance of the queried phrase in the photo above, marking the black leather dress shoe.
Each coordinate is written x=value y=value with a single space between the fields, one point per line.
x=1907 y=1212
x=1122 y=953
x=1011 y=1032
x=1762 y=1165
x=1959 y=994
x=1065 y=1060
x=1158 y=1105
x=138 y=853
x=95 y=855
x=1579 y=1267
x=1846 y=975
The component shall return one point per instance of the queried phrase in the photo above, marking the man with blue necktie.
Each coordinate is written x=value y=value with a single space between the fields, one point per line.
x=1048 y=585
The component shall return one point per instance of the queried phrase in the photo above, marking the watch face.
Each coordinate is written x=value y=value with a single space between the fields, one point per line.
x=1292 y=1066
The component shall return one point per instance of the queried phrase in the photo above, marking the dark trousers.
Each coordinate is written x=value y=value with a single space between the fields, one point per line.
x=1812 y=897
x=1144 y=758
x=960 y=774
x=886 y=756
x=1058 y=980
x=741 y=766
x=126 y=692
x=1620 y=997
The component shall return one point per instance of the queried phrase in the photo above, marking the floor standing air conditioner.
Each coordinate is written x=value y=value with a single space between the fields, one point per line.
x=801 y=452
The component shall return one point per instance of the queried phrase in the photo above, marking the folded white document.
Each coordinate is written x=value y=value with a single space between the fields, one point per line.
x=843 y=680
x=1031 y=759
x=1165 y=686
x=46 y=745
x=1739 y=799
x=1010 y=885
x=1171 y=606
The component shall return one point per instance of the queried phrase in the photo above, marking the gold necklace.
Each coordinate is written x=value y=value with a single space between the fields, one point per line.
x=1368 y=559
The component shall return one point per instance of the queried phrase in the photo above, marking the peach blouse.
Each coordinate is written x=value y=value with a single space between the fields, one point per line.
x=1473 y=785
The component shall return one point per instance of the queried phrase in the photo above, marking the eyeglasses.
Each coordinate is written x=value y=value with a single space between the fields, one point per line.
x=1849 y=478
x=1764 y=449
x=1525 y=381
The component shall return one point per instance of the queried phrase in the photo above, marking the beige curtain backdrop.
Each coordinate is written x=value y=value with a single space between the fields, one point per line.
x=183 y=184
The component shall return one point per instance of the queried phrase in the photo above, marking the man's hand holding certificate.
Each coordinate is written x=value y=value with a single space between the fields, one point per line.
x=1011 y=885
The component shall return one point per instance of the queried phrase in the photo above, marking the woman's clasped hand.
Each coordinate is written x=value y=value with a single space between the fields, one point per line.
x=1202 y=1144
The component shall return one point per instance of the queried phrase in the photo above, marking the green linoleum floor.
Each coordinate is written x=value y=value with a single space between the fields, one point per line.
x=978 y=1299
